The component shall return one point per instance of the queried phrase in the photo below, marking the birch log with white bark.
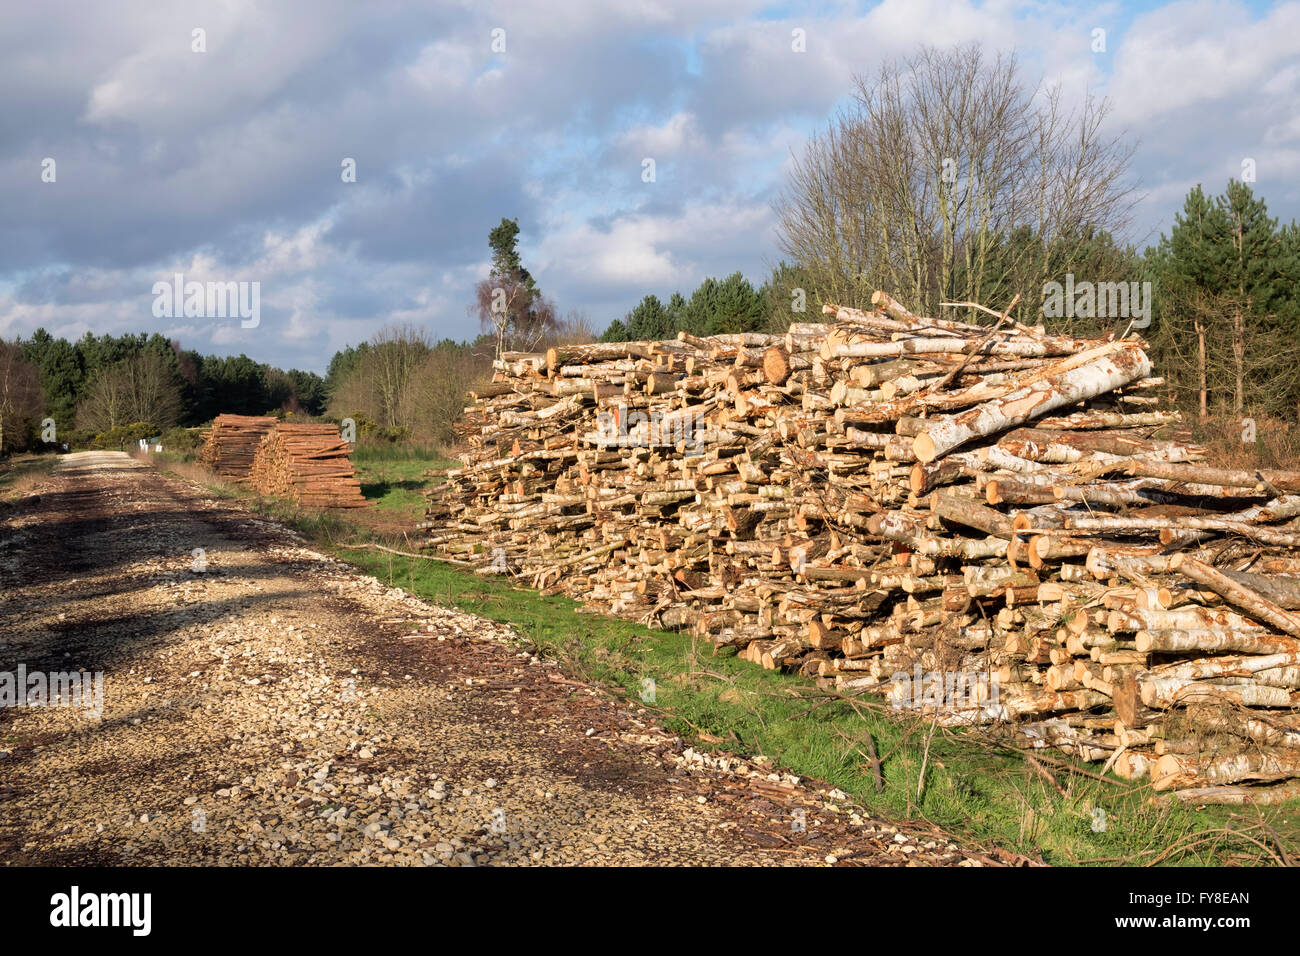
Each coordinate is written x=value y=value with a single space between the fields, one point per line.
x=1237 y=594
x=1066 y=388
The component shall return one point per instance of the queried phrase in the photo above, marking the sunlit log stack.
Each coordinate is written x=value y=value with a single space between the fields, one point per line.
x=308 y=464
x=985 y=523
x=232 y=443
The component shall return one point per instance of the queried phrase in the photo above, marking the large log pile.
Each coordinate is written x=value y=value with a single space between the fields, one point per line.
x=981 y=522
x=232 y=443
x=308 y=464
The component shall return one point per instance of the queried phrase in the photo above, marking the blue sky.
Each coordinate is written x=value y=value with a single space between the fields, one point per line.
x=224 y=165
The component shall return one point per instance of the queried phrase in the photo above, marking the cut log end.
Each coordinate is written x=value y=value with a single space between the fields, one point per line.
x=776 y=365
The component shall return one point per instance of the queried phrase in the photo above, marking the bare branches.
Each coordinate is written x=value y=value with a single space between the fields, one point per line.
x=142 y=388
x=948 y=179
x=20 y=394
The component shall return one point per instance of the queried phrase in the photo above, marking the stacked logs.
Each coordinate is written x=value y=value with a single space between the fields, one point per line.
x=980 y=522
x=308 y=464
x=232 y=443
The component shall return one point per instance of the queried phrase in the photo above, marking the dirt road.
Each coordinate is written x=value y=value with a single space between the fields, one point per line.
x=264 y=704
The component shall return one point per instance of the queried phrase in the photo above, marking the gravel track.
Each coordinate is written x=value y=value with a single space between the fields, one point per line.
x=264 y=704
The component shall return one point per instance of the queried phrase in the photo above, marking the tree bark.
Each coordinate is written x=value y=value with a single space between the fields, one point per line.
x=1054 y=391
x=1237 y=594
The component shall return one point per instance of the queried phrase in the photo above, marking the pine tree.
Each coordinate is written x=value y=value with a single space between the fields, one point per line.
x=504 y=240
x=697 y=319
x=62 y=373
x=649 y=320
x=617 y=332
x=508 y=301
x=1225 y=303
x=677 y=311
x=789 y=296
x=737 y=308
x=1251 y=276
x=1187 y=265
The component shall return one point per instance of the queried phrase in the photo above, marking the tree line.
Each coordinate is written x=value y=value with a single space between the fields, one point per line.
x=716 y=307
x=97 y=387
x=402 y=385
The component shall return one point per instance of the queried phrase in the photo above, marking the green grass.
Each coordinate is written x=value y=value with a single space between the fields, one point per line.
x=16 y=472
x=396 y=485
x=979 y=789
x=364 y=452
x=165 y=458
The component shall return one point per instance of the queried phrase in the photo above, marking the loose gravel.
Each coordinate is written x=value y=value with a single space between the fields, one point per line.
x=265 y=704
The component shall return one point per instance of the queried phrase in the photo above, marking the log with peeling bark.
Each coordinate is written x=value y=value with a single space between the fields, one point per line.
x=1238 y=594
x=1282 y=590
x=1238 y=795
x=1067 y=387
x=887 y=497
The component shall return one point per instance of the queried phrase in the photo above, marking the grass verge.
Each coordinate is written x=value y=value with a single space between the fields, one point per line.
x=20 y=473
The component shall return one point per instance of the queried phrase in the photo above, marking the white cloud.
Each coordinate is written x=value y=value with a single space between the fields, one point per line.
x=301 y=251
x=679 y=134
x=1197 y=53
x=442 y=68
x=251 y=50
x=649 y=251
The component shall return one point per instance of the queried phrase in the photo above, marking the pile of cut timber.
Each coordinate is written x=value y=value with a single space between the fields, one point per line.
x=232 y=443
x=981 y=521
x=308 y=464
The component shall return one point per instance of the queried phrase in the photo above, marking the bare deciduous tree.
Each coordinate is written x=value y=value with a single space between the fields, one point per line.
x=141 y=388
x=20 y=394
x=947 y=180
x=385 y=382
x=519 y=317
x=448 y=372
x=575 y=329
x=396 y=353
